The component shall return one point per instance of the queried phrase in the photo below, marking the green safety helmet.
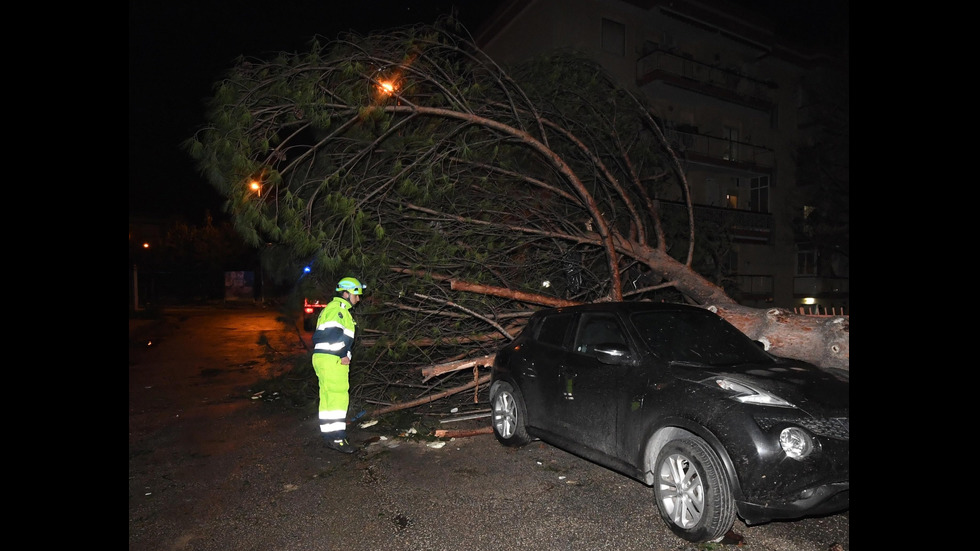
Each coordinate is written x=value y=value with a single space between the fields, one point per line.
x=351 y=285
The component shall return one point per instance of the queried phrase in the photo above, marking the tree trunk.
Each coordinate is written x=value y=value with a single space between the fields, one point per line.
x=820 y=340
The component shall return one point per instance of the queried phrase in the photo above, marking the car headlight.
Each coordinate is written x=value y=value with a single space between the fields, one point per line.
x=795 y=442
x=749 y=394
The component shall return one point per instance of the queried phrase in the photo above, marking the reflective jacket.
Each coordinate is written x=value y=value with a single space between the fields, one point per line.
x=335 y=328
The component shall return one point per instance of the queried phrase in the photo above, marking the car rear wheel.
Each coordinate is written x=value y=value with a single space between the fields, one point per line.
x=509 y=415
x=693 y=494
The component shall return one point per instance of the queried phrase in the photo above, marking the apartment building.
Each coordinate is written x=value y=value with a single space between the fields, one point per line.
x=731 y=98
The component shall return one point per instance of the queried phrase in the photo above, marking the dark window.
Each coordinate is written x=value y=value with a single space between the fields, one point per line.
x=553 y=329
x=613 y=37
x=595 y=329
x=759 y=194
x=680 y=336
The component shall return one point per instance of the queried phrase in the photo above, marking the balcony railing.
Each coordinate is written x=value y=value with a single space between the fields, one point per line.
x=755 y=286
x=744 y=225
x=684 y=72
x=816 y=286
x=721 y=151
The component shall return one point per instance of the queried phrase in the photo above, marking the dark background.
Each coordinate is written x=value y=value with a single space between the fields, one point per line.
x=179 y=49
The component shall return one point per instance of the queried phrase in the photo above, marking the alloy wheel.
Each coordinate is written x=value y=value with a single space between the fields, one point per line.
x=681 y=490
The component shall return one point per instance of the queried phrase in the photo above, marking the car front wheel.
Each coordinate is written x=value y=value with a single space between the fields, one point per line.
x=509 y=416
x=693 y=494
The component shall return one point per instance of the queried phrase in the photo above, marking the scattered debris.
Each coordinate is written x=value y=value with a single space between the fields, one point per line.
x=462 y=433
x=477 y=415
x=732 y=538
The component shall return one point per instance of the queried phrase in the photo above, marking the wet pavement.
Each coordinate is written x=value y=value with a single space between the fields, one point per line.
x=212 y=468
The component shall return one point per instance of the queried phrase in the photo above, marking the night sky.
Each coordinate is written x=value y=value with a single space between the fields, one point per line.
x=179 y=48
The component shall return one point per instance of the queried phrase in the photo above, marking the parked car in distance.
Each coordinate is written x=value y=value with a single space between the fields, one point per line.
x=311 y=311
x=676 y=397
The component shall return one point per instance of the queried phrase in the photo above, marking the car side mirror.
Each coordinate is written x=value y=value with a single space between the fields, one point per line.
x=613 y=353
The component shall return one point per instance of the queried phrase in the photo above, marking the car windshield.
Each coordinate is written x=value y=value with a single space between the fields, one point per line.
x=695 y=336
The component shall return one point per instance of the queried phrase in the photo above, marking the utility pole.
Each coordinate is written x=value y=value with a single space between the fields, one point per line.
x=136 y=290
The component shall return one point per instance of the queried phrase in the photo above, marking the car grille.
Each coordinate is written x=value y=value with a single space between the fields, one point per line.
x=835 y=427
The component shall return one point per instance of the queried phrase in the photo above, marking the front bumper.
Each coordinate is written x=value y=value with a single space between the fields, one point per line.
x=820 y=500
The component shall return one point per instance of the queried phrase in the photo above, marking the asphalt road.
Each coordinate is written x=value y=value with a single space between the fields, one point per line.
x=211 y=468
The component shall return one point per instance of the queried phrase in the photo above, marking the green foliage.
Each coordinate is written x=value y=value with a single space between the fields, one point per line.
x=359 y=182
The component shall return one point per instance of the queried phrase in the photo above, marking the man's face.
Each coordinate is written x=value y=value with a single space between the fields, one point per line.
x=353 y=299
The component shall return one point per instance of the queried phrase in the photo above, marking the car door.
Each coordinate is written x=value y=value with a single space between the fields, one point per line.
x=545 y=355
x=593 y=393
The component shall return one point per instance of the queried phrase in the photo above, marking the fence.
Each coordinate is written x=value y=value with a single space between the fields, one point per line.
x=818 y=311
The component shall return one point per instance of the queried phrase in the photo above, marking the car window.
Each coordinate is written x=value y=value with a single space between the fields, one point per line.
x=595 y=329
x=694 y=336
x=553 y=329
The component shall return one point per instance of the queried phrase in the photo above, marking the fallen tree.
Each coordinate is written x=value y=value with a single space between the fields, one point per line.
x=467 y=196
x=823 y=341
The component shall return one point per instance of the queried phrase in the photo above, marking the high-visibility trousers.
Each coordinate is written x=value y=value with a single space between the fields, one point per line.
x=334 y=397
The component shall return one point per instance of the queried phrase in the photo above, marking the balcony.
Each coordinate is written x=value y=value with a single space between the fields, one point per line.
x=744 y=226
x=702 y=78
x=721 y=152
x=757 y=288
x=821 y=287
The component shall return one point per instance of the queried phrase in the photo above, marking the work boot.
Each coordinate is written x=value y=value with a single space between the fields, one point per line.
x=342 y=445
x=338 y=441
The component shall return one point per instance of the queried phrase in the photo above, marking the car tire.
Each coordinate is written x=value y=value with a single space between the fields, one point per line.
x=692 y=492
x=509 y=415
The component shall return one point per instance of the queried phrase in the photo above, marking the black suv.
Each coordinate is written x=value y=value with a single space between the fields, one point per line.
x=679 y=399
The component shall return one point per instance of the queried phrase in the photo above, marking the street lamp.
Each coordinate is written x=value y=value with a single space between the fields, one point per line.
x=256 y=187
x=386 y=87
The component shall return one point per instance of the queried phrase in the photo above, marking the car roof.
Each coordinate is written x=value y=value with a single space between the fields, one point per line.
x=626 y=307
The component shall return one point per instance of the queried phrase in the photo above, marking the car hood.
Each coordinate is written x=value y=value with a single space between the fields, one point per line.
x=807 y=386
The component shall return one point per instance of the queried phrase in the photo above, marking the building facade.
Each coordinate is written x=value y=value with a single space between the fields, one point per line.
x=732 y=101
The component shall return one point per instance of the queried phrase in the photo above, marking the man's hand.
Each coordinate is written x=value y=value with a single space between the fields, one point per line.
x=345 y=361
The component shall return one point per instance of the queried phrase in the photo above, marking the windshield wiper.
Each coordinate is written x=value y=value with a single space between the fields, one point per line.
x=688 y=363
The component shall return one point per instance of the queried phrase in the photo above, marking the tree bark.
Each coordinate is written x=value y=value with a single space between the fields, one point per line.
x=432 y=371
x=820 y=340
x=427 y=399
x=441 y=433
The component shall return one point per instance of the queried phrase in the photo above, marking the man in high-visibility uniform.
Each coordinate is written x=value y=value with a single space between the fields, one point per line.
x=332 y=340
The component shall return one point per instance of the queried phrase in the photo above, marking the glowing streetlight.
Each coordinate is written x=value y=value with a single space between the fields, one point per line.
x=386 y=87
x=256 y=187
